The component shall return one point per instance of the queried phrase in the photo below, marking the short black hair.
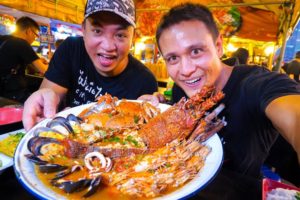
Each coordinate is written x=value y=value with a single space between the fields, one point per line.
x=187 y=12
x=24 y=23
x=242 y=55
x=297 y=54
x=58 y=42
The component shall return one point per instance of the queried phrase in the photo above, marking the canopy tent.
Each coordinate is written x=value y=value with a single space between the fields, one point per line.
x=259 y=20
x=262 y=20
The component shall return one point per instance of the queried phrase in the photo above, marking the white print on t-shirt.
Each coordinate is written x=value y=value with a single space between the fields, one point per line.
x=85 y=88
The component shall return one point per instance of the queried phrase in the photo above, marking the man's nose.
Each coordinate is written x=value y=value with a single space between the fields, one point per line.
x=108 y=43
x=187 y=66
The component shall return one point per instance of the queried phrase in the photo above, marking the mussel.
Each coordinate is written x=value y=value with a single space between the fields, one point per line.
x=70 y=186
x=44 y=166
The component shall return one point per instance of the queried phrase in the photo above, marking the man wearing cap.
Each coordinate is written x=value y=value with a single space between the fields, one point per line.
x=84 y=68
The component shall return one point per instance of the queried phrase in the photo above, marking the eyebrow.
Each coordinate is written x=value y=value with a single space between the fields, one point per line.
x=98 y=23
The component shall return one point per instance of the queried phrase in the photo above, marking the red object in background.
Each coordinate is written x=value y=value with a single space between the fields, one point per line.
x=269 y=184
x=10 y=115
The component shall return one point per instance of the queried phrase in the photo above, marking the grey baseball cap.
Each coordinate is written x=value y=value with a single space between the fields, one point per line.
x=123 y=8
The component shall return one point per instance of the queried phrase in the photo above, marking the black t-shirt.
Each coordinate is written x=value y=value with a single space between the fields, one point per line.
x=72 y=68
x=15 y=52
x=294 y=68
x=249 y=134
x=15 y=55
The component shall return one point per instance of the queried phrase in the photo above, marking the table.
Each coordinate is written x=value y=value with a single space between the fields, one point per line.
x=10 y=187
x=5 y=102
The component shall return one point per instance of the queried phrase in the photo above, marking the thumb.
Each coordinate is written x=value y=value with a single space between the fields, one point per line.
x=51 y=101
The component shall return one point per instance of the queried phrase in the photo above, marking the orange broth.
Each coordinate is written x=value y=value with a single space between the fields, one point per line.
x=104 y=192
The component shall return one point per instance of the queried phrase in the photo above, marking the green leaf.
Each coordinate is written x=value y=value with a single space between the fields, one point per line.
x=136 y=119
x=298 y=196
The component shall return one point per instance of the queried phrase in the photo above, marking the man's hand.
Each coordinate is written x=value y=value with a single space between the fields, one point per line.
x=155 y=98
x=40 y=105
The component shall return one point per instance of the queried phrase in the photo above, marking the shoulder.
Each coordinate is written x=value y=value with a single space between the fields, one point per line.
x=138 y=67
x=269 y=85
x=135 y=63
x=16 y=42
x=259 y=76
x=72 y=42
x=71 y=49
x=251 y=72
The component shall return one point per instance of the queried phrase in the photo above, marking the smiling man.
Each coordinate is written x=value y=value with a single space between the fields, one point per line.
x=83 y=68
x=259 y=104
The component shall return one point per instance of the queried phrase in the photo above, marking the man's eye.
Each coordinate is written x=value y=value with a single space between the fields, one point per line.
x=196 y=52
x=121 y=35
x=172 y=59
x=97 y=31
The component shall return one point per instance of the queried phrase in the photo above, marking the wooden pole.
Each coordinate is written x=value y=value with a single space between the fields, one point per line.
x=286 y=29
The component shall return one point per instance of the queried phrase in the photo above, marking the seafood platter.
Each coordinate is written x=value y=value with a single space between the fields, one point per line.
x=124 y=149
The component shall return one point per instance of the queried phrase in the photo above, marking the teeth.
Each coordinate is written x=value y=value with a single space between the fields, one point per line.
x=192 y=81
x=106 y=56
x=109 y=57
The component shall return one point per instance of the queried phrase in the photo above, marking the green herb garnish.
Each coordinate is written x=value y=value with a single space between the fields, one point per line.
x=132 y=140
x=298 y=196
x=168 y=165
x=136 y=119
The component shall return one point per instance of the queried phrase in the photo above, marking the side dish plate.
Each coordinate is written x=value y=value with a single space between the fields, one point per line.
x=6 y=160
x=27 y=177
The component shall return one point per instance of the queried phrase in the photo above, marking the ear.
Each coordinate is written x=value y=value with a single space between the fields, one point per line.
x=28 y=31
x=83 y=27
x=219 y=45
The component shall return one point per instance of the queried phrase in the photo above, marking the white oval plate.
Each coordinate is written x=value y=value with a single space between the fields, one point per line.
x=24 y=169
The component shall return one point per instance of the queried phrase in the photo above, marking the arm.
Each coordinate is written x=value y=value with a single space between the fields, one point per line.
x=41 y=65
x=42 y=103
x=284 y=112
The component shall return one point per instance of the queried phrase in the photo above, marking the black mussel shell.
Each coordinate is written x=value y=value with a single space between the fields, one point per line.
x=71 y=186
x=36 y=160
x=40 y=130
x=66 y=172
x=73 y=118
x=35 y=144
x=94 y=185
x=50 y=168
x=60 y=121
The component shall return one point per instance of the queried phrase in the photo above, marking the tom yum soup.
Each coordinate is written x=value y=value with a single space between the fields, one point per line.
x=125 y=149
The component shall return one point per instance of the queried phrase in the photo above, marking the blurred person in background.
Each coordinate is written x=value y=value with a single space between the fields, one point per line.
x=84 y=68
x=239 y=57
x=16 y=54
x=56 y=44
x=259 y=105
x=293 y=67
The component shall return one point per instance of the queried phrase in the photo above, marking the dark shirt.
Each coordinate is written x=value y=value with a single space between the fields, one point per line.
x=249 y=134
x=231 y=61
x=15 y=52
x=294 y=68
x=15 y=55
x=72 y=68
